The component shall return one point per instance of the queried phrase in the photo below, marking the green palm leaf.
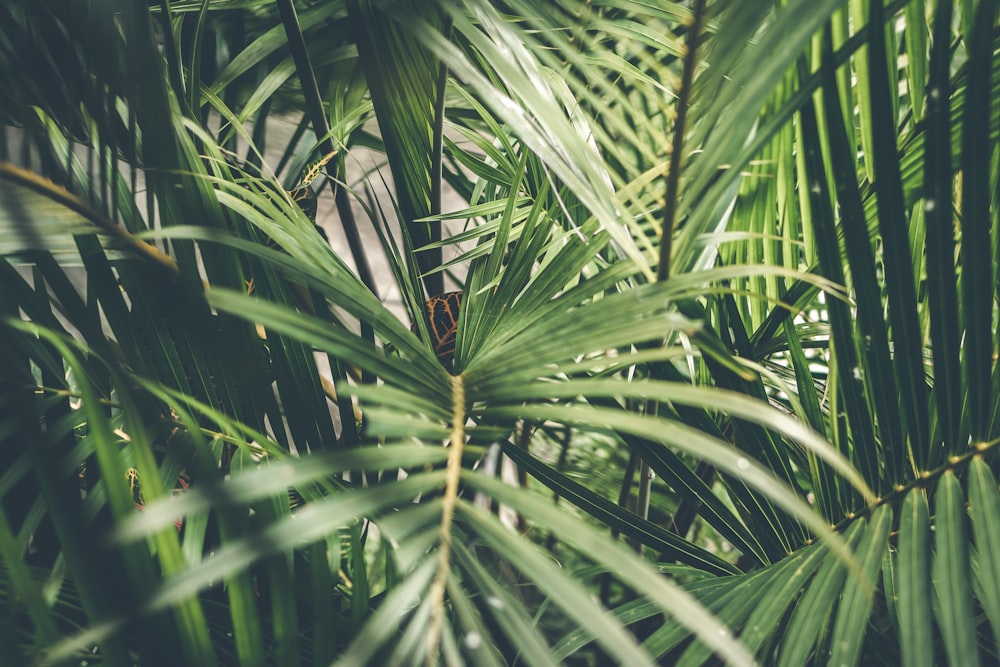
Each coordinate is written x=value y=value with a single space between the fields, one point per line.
x=219 y=445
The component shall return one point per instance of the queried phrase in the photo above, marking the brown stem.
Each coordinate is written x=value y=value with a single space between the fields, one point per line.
x=676 y=156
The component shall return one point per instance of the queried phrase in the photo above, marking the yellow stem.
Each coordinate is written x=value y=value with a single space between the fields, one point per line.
x=62 y=196
x=453 y=475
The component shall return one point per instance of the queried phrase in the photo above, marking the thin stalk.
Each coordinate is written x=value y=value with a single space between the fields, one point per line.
x=317 y=116
x=677 y=148
x=449 y=501
x=64 y=197
x=670 y=205
x=955 y=464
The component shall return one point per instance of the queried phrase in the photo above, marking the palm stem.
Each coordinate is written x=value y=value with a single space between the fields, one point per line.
x=677 y=148
x=447 y=517
x=670 y=205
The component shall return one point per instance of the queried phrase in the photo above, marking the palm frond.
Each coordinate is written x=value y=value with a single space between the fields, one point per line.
x=217 y=442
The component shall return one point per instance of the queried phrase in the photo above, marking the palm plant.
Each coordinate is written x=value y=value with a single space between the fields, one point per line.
x=729 y=310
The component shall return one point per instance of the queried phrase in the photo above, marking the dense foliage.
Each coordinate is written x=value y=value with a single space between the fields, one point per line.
x=724 y=384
